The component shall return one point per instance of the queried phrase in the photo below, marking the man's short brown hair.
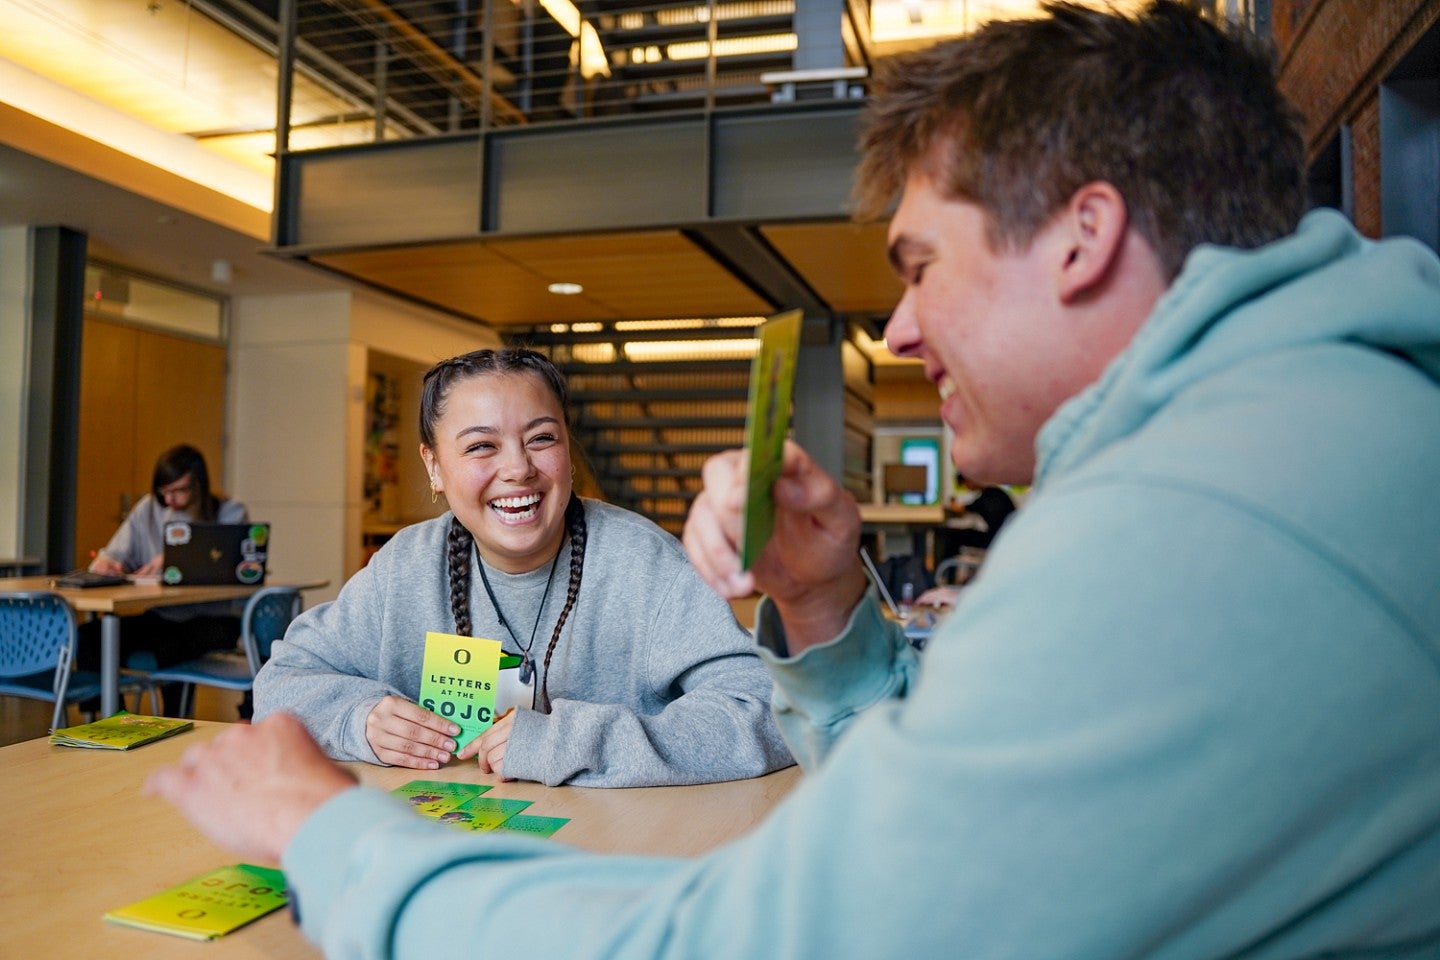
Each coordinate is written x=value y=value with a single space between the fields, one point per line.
x=1184 y=118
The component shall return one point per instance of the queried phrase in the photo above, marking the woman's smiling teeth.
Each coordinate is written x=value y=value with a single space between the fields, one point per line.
x=516 y=509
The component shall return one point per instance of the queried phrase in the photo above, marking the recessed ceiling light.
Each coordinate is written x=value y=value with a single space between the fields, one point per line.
x=566 y=289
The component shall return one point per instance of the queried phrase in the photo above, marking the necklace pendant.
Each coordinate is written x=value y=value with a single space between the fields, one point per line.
x=527 y=670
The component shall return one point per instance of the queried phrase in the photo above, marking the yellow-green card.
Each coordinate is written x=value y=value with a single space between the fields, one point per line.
x=772 y=384
x=209 y=906
x=430 y=798
x=457 y=681
x=483 y=813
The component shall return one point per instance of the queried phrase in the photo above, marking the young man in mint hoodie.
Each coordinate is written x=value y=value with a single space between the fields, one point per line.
x=1191 y=706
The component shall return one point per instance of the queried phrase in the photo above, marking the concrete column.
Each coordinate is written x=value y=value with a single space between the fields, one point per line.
x=52 y=421
x=14 y=383
x=819 y=418
x=821 y=46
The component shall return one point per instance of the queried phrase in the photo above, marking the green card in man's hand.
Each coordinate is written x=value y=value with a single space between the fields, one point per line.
x=772 y=384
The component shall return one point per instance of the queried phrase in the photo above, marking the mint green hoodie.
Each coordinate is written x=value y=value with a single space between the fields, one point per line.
x=1191 y=707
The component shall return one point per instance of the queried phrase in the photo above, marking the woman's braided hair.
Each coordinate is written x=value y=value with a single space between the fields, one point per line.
x=459 y=541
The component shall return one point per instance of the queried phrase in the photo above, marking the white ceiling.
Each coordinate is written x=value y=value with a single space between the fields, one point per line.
x=142 y=234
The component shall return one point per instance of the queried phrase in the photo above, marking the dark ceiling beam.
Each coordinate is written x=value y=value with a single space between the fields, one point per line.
x=742 y=251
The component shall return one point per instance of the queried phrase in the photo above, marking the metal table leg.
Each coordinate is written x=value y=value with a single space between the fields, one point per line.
x=109 y=664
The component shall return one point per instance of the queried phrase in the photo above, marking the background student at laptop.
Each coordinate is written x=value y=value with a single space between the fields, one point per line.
x=179 y=490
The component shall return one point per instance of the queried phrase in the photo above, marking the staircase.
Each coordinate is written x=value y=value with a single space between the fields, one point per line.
x=659 y=53
x=647 y=426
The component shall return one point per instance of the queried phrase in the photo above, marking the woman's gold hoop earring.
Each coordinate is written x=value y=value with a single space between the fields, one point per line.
x=434 y=493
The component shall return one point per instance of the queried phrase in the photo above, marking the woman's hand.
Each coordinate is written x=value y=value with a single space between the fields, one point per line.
x=489 y=747
x=152 y=567
x=251 y=787
x=107 y=566
x=943 y=596
x=404 y=734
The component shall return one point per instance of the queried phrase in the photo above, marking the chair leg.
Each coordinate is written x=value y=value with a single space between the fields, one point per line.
x=153 y=693
x=187 y=693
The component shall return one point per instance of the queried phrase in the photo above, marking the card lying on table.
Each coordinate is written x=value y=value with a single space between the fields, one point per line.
x=209 y=906
x=483 y=813
x=461 y=805
x=119 y=731
x=430 y=798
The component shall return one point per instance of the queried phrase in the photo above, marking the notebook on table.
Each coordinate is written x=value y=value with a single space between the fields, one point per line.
x=205 y=554
x=83 y=579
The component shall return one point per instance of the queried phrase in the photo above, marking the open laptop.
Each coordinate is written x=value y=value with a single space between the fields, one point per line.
x=215 y=553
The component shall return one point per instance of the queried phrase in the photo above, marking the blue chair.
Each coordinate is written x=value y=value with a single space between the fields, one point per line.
x=267 y=616
x=38 y=638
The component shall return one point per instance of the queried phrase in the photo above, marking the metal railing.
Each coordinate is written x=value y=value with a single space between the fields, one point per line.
x=367 y=71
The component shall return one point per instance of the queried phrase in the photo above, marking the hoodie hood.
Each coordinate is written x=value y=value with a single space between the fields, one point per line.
x=1229 y=306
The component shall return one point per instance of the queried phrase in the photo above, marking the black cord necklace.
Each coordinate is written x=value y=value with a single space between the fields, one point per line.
x=527 y=663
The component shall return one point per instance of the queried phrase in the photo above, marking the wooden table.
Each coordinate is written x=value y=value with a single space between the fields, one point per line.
x=112 y=603
x=902 y=514
x=81 y=840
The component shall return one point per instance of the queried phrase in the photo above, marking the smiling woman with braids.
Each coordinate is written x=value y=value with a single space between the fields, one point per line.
x=638 y=671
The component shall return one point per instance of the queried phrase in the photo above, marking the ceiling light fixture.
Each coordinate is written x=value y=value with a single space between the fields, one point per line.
x=565 y=289
x=732 y=46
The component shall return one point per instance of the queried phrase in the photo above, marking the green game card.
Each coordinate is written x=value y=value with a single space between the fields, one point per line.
x=430 y=798
x=208 y=906
x=533 y=825
x=457 y=681
x=772 y=384
x=483 y=813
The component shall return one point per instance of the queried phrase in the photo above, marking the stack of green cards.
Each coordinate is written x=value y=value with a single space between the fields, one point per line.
x=120 y=731
x=209 y=906
x=772 y=385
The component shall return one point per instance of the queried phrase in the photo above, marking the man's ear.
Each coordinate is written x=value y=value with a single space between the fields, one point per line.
x=1096 y=221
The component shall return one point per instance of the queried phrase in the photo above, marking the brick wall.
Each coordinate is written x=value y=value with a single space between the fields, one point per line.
x=1333 y=55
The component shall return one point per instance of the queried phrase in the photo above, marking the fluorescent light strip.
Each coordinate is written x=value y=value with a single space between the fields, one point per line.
x=660 y=350
x=682 y=16
x=732 y=46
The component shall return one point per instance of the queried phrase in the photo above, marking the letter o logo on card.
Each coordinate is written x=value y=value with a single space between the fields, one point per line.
x=462 y=655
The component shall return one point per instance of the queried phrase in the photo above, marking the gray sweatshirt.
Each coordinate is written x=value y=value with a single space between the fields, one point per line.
x=651 y=682
x=142 y=535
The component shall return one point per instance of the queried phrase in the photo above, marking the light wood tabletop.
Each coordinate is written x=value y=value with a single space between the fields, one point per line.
x=902 y=514
x=112 y=603
x=82 y=840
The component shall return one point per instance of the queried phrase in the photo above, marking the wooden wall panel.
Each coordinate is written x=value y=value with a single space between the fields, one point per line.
x=141 y=392
x=107 y=433
x=179 y=398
